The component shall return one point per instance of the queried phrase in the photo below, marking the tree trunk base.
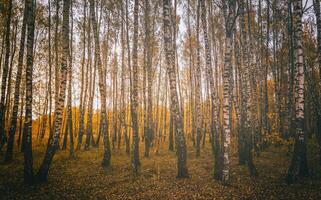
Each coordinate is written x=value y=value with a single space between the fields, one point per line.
x=8 y=158
x=106 y=160
x=42 y=177
x=183 y=173
x=320 y=156
x=29 y=180
x=252 y=169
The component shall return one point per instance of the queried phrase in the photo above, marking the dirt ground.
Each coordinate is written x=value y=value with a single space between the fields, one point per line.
x=83 y=177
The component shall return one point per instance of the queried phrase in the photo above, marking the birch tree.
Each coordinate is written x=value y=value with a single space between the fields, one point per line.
x=54 y=140
x=229 y=15
x=5 y=70
x=102 y=87
x=16 y=98
x=134 y=96
x=28 y=160
x=299 y=165
x=182 y=171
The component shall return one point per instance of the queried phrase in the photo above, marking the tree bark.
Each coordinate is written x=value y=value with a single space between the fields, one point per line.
x=316 y=6
x=299 y=165
x=54 y=140
x=134 y=100
x=227 y=74
x=5 y=76
x=91 y=92
x=248 y=99
x=102 y=88
x=82 y=96
x=198 y=120
x=16 y=98
x=182 y=171
x=28 y=160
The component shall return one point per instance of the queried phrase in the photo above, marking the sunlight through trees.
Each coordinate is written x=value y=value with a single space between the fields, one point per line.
x=216 y=81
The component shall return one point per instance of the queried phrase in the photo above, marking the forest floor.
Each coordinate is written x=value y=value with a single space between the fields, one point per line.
x=83 y=177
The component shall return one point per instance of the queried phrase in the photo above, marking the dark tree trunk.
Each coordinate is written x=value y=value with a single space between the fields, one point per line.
x=28 y=169
x=5 y=69
x=171 y=134
x=13 y=125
